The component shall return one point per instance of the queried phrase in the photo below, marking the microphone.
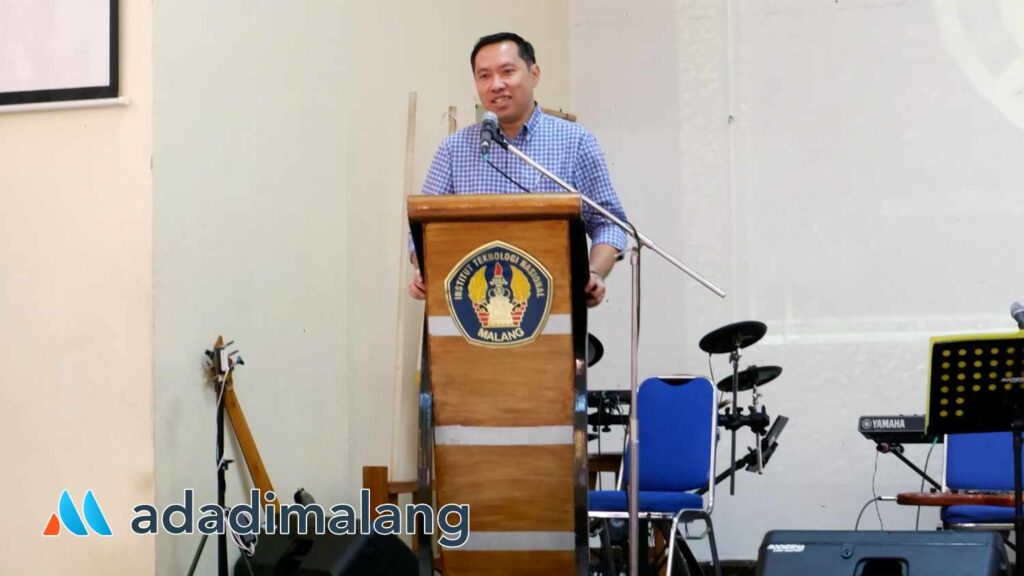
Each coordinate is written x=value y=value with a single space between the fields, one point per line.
x=1017 y=313
x=489 y=134
x=488 y=131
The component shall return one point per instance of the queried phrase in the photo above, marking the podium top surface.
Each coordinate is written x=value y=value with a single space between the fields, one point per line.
x=463 y=207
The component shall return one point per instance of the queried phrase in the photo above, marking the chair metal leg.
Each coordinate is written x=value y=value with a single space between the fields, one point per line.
x=606 y=547
x=685 y=563
x=715 y=564
x=673 y=531
x=690 y=565
x=689 y=516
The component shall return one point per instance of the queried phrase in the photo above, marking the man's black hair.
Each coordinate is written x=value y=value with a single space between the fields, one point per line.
x=525 y=48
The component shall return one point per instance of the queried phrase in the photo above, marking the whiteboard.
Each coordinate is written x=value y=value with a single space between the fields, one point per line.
x=57 y=50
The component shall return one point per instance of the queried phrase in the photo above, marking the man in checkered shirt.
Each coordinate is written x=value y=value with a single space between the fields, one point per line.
x=506 y=73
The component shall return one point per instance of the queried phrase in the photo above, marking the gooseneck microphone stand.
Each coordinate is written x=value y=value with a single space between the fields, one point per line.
x=640 y=241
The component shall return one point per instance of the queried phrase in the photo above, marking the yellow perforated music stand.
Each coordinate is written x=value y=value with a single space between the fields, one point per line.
x=974 y=381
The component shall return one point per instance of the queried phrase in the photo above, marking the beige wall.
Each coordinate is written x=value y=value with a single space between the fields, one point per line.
x=76 y=322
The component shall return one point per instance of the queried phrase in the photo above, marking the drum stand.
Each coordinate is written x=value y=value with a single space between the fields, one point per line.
x=733 y=338
x=734 y=358
x=757 y=419
x=758 y=425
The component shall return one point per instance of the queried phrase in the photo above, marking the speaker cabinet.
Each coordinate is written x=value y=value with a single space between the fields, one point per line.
x=837 y=553
x=329 y=555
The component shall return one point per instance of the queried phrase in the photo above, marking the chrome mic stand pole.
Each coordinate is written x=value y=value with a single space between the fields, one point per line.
x=634 y=421
x=634 y=428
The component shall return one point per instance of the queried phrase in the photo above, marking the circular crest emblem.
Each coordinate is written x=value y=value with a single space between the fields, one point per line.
x=499 y=296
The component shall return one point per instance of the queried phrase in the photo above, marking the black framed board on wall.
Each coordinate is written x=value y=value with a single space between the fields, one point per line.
x=58 y=50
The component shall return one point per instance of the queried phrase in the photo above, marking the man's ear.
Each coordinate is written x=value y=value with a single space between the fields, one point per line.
x=535 y=73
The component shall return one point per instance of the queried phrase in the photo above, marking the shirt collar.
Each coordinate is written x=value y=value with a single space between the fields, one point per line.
x=533 y=121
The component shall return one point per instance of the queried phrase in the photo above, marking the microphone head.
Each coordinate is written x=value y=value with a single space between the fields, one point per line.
x=488 y=132
x=1016 y=308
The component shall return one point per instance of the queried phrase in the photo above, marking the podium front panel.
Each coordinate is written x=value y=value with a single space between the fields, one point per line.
x=503 y=378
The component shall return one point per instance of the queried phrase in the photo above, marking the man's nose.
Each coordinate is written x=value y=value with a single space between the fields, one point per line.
x=497 y=85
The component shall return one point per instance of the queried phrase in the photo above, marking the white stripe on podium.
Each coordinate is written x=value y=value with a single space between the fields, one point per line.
x=444 y=325
x=519 y=542
x=502 y=436
x=441 y=326
x=558 y=324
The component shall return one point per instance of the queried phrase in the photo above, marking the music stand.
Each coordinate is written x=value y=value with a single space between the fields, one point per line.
x=976 y=384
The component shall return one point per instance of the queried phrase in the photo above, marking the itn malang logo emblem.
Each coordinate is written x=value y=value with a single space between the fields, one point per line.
x=499 y=295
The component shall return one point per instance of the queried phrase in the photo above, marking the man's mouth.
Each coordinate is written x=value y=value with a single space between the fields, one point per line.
x=501 y=99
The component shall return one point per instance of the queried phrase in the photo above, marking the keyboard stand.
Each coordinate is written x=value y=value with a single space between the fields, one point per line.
x=896 y=449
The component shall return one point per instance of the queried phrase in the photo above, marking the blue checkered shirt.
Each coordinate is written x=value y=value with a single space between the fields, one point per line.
x=566 y=149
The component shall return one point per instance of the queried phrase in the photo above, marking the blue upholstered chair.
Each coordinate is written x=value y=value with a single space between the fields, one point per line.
x=980 y=462
x=677 y=457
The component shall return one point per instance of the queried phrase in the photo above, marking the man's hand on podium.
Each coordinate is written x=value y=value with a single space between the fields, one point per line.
x=595 y=289
x=416 y=287
x=602 y=260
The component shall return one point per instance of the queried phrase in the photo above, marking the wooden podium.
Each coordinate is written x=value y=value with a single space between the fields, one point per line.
x=503 y=388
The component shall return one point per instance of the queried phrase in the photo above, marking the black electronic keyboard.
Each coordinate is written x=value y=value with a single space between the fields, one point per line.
x=607 y=399
x=612 y=408
x=896 y=429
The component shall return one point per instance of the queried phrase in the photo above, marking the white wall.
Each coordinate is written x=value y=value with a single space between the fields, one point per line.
x=76 y=322
x=866 y=196
x=279 y=159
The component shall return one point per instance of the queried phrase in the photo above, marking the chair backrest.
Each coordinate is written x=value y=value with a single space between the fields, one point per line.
x=981 y=461
x=677 y=433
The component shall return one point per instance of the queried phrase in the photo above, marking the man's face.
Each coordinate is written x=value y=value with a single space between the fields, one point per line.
x=504 y=83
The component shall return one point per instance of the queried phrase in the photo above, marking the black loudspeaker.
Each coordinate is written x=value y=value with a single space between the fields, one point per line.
x=827 y=553
x=329 y=555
